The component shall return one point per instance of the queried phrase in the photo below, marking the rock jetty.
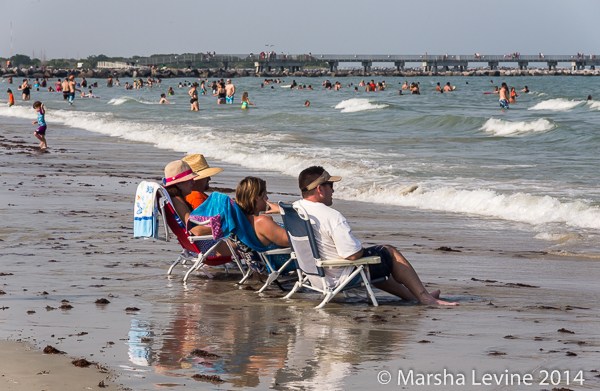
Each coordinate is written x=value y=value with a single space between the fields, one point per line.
x=165 y=73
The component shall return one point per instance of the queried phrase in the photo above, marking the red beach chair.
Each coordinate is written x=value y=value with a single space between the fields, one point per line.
x=190 y=250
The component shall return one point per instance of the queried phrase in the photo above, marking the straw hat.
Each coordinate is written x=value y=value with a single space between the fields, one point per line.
x=177 y=172
x=200 y=166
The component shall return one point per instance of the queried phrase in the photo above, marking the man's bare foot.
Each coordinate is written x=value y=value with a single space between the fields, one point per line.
x=434 y=301
x=435 y=294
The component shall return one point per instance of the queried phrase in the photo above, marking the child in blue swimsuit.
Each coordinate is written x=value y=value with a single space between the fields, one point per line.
x=40 y=133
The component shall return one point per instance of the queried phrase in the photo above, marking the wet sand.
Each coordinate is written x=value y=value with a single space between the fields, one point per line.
x=67 y=235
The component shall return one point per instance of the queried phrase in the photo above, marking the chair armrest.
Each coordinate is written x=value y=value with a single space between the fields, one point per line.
x=196 y=222
x=277 y=251
x=205 y=237
x=348 y=262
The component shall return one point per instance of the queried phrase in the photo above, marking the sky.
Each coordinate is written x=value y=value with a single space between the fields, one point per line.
x=80 y=28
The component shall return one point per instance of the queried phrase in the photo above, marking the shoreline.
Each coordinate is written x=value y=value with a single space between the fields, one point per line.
x=78 y=202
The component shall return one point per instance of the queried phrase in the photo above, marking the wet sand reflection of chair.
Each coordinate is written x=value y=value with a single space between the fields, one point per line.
x=309 y=264
x=190 y=250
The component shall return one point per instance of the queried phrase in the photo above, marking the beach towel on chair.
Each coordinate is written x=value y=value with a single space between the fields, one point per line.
x=145 y=222
x=233 y=219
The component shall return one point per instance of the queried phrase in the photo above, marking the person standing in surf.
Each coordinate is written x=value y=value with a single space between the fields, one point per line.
x=245 y=101
x=194 y=97
x=230 y=89
x=504 y=96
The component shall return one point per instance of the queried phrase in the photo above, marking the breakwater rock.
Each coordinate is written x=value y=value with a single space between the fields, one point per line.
x=165 y=73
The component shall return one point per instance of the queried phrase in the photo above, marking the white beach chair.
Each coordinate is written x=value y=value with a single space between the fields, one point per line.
x=309 y=264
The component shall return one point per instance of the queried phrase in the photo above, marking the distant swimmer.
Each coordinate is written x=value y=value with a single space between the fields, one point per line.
x=414 y=89
x=362 y=83
x=504 y=96
x=447 y=87
x=202 y=87
x=230 y=90
x=525 y=90
x=307 y=103
x=491 y=82
x=193 y=93
x=65 y=88
x=399 y=92
x=405 y=85
x=11 y=98
x=496 y=90
x=72 y=89
x=221 y=94
x=589 y=97
x=245 y=101
x=109 y=82
x=25 y=88
x=513 y=94
x=163 y=99
x=438 y=88
x=309 y=87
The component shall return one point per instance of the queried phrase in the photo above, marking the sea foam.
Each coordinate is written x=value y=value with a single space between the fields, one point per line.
x=558 y=104
x=355 y=104
x=594 y=105
x=521 y=207
x=500 y=127
x=125 y=99
x=268 y=150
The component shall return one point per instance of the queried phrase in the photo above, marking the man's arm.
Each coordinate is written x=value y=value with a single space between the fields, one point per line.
x=357 y=255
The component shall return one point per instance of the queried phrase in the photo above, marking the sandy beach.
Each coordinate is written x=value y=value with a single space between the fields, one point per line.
x=67 y=236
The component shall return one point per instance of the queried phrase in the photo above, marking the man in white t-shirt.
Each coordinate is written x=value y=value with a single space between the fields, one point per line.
x=335 y=240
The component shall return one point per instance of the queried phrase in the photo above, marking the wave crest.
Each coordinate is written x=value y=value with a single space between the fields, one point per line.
x=500 y=127
x=356 y=104
x=558 y=104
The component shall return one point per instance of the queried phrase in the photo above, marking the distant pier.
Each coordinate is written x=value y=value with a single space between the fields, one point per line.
x=429 y=63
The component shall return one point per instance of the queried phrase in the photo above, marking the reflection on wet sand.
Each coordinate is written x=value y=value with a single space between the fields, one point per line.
x=249 y=344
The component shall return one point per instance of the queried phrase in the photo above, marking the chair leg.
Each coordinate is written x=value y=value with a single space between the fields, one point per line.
x=297 y=286
x=196 y=266
x=173 y=265
x=234 y=256
x=369 y=289
x=247 y=275
x=328 y=296
x=272 y=277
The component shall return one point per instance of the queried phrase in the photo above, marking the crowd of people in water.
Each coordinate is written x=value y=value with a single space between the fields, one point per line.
x=223 y=90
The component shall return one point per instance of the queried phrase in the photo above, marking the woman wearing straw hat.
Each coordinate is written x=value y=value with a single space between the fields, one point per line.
x=179 y=182
x=203 y=171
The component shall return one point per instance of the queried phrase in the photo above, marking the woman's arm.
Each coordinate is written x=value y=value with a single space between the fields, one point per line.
x=265 y=227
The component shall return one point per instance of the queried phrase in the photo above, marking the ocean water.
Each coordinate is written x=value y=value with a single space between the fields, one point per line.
x=533 y=167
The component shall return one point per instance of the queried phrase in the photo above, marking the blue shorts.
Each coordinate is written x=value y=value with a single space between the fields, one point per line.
x=229 y=99
x=504 y=104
